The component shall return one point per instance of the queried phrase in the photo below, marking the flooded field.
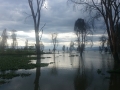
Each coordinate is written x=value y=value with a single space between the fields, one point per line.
x=67 y=72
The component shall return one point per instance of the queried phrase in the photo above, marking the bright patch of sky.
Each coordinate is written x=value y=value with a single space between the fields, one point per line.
x=58 y=15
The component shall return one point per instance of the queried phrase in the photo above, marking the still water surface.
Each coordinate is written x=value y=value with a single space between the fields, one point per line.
x=66 y=73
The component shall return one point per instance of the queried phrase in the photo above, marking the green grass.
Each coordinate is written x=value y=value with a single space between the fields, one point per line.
x=18 y=62
x=15 y=62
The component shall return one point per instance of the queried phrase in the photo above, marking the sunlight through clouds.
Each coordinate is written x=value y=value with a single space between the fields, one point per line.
x=58 y=15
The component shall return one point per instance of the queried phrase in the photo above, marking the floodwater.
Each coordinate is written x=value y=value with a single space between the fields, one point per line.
x=66 y=72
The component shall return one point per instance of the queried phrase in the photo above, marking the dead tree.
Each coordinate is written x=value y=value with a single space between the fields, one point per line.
x=41 y=46
x=4 y=37
x=54 y=41
x=103 y=40
x=36 y=14
x=26 y=44
x=63 y=48
x=14 y=40
x=71 y=47
x=109 y=10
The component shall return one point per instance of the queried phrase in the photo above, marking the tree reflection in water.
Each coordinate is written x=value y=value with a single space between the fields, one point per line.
x=38 y=73
x=115 y=79
x=81 y=80
x=54 y=68
x=71 y=59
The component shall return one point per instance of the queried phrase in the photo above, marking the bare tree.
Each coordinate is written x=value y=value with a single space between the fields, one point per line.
x=41 y=46
x=63 y=48
x=54 y=41
x=14 y=40
x=26 y=44
x=4 y=37
x=71 y=46
x=109 y=10
x=36 y=14
x=103 y=40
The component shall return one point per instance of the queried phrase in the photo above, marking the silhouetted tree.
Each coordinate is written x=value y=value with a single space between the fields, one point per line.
x=14 y=40
x=71 y=46
x=26 y=44
x=4 y=37
x=36 y=14
x=102 y=40
x=54 y=41
x=67 y=49
x=109 y=10
x=41 y=46
x=81 y=31
x=63 y=48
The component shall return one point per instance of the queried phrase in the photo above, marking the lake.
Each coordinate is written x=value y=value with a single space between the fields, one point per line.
x=68 y=72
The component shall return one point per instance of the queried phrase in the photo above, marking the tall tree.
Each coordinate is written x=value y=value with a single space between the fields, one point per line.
x=14 y=40
x=110 y=11
x=4 y=38
x=81 y=31
x=36 y=14
x=71 y=46
x=63 y=48
x=54 y=41
x=102 y=40
x=41 y=46
x=26 y=44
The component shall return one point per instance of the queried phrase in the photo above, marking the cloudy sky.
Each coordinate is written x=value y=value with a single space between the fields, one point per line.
x=59 y=17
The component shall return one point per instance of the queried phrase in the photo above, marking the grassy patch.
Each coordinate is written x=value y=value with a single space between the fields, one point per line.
x=18 y=62
x=15 y=62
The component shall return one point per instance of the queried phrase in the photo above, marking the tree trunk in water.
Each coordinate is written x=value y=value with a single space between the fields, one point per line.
x=114 y=83
x=116 y=57
x=113 y=47
x=54 y=49
x=36 y=82
x=37 y=46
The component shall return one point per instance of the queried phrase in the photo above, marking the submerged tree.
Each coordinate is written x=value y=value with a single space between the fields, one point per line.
x=41 y=46
x=37 y=77
x=26 y=44
x=54 y=41
x=71 y=46
x=81 y=31
x=36 y=14
x=4 y=37
x=109 y=10
x=63 y=48
x=14 y=40
x=102 y=40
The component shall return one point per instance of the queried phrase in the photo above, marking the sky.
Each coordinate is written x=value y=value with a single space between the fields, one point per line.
x=59 y=16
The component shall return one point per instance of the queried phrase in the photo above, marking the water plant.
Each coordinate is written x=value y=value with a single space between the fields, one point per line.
x=18 y=62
